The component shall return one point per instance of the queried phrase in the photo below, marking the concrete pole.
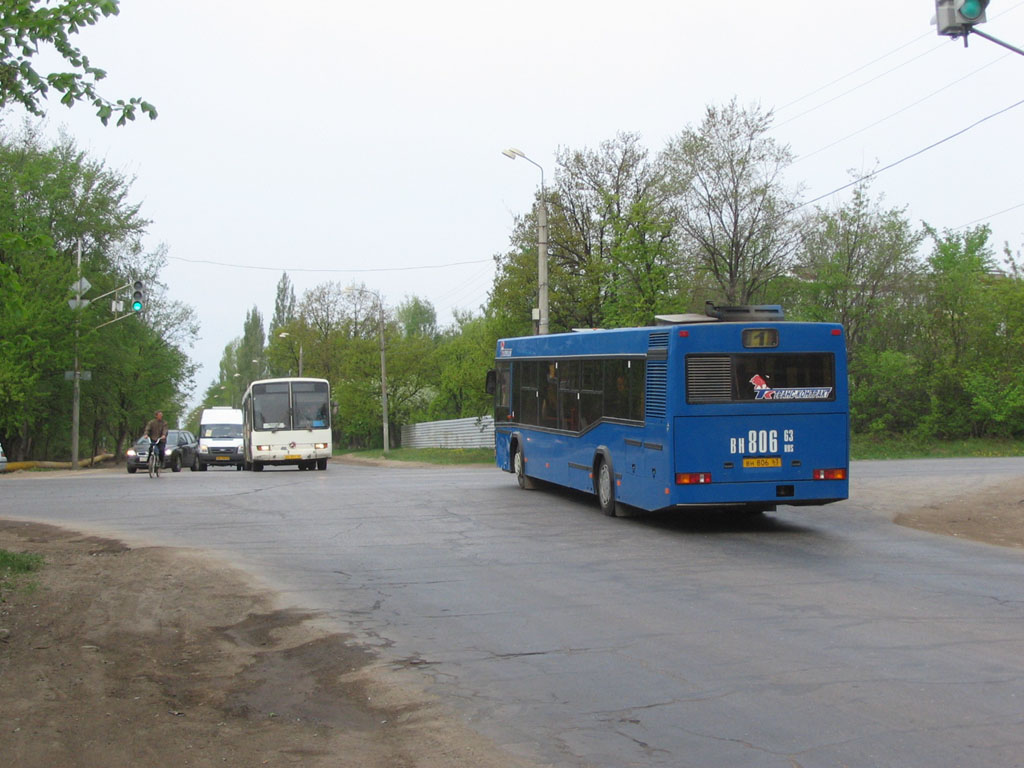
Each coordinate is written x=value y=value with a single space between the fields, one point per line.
x=384 y=381
x=542 y=259
x=76 y=373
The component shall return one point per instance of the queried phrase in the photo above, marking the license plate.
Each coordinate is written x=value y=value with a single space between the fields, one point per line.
x=293 y=456
x=223 y=458
x=762 y=461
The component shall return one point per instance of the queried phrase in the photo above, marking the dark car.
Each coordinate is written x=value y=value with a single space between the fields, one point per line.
x=182 y=450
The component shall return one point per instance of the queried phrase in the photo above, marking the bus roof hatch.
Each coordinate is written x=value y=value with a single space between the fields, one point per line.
x=746 y=312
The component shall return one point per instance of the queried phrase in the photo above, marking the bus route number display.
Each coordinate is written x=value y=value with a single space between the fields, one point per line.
x=760 y=338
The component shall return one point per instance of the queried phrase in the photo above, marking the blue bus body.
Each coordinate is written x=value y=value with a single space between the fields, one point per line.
x=696 y=415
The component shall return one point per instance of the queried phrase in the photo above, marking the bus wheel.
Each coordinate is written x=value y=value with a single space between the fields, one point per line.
x=606 y=488
x=519 y=464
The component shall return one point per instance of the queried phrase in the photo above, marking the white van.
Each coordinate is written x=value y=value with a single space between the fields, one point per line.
x=220 y=437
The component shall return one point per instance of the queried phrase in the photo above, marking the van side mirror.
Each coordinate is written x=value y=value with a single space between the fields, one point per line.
x=492 y=382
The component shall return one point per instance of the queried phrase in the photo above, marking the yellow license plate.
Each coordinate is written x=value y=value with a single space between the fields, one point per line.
x=761 y=462
x=292 y=456
x=223 y=458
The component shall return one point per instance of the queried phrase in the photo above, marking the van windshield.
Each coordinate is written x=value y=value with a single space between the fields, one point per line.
x=221 y=431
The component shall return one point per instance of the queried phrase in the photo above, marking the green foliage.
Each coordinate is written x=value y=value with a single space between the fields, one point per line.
x=58 y=206
x=15 y=565
x=888 y=395
x=733 y=213
x=28 y=26
x=441 y=456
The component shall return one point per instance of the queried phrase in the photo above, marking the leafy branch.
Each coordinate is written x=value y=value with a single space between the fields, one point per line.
x=25 y=25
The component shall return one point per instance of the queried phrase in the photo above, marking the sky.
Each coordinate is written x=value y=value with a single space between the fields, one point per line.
x=360 y=143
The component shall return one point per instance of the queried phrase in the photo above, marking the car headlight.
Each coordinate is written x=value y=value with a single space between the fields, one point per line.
x=204 y=449
x=131 y=452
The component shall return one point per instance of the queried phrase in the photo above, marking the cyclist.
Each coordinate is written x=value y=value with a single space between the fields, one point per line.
x=156 y=431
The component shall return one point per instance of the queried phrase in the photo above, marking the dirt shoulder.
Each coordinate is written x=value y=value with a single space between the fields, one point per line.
x=156 y=656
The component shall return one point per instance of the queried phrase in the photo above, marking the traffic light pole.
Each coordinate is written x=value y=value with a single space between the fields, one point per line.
x=995 y=40
x=76 y=394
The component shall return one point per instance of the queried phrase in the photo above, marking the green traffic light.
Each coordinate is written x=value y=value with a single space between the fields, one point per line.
x=972 y=9
x=137 y=296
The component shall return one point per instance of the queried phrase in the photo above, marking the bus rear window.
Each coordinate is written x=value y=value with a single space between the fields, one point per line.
x=760 y=377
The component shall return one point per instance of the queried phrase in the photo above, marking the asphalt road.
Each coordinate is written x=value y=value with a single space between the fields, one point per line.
x=808 y=637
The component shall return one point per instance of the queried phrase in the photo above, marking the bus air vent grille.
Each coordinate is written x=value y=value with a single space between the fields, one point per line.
x=656 y=396
x=658 y=340
x=708 y=379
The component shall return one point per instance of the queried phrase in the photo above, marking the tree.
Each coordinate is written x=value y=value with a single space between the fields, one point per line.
x=284 y=304
x=27 y=24
x=858 y=266
x=56 y=203
x=610 y=242
x=465 y=353
x=732 y=212
x=417 y=318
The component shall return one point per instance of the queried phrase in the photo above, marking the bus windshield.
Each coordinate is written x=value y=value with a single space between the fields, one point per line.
x=271 y=405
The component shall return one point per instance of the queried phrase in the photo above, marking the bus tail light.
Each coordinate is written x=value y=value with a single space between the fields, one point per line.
x=829 y=474
x=693 y=478
x=320 y=446
x=262 y=447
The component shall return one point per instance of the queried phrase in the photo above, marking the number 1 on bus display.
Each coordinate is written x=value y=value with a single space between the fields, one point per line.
x=758 y=338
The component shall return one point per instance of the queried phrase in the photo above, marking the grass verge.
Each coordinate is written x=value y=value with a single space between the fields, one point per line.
x=432 y=455
x=14 y=566
x=902 y=447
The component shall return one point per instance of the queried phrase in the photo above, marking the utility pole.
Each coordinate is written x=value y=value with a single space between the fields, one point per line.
x=77 y=373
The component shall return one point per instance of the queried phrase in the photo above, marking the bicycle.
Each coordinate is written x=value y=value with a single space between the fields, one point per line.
x=153 y=463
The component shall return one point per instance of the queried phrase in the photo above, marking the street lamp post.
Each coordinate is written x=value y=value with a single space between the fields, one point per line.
x=542 y=243
x=385 y=429
x=285 y=335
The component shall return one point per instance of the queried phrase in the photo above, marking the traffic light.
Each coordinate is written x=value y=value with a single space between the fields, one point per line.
x=970 y=12
x=957 y=17
x=137 y=296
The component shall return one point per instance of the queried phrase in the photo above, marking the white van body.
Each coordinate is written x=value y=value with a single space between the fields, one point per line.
x=220 y=438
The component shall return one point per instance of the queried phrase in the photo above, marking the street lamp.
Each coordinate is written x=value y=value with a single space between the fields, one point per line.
x=383 y=366
x=542 y=244
x=285 y=335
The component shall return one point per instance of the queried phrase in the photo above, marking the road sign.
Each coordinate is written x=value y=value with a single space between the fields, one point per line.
x=81 y=286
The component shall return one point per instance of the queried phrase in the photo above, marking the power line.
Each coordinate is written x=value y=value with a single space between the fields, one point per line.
x=319 y=269
x=910 y=156
x=898 y=111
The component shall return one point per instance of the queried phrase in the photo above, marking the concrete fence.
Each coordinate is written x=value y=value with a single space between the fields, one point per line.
x=473 y=432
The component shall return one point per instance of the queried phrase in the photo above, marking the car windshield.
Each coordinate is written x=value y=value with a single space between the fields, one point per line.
x=222 y=431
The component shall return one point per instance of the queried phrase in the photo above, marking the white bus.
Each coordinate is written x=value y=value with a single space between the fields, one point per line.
x=287 y=421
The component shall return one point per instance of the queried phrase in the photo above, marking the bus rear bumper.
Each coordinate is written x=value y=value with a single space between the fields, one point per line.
x=763 y=495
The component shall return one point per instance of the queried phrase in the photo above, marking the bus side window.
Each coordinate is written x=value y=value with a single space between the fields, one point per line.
x=548 y=387
x=637 y=386
x=527 y=406
x=591 y=408
x=616 y=389
x=502 y=396
x=569 y=395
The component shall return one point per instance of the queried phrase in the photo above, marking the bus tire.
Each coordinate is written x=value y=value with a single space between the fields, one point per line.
x=321 y=464
x=605 y=487
x=519 y=467
x=257 y=466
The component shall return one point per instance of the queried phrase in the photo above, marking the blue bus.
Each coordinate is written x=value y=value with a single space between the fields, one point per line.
x=737 y=409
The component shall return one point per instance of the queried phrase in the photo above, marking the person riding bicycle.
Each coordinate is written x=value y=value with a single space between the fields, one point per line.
x=156 y=431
